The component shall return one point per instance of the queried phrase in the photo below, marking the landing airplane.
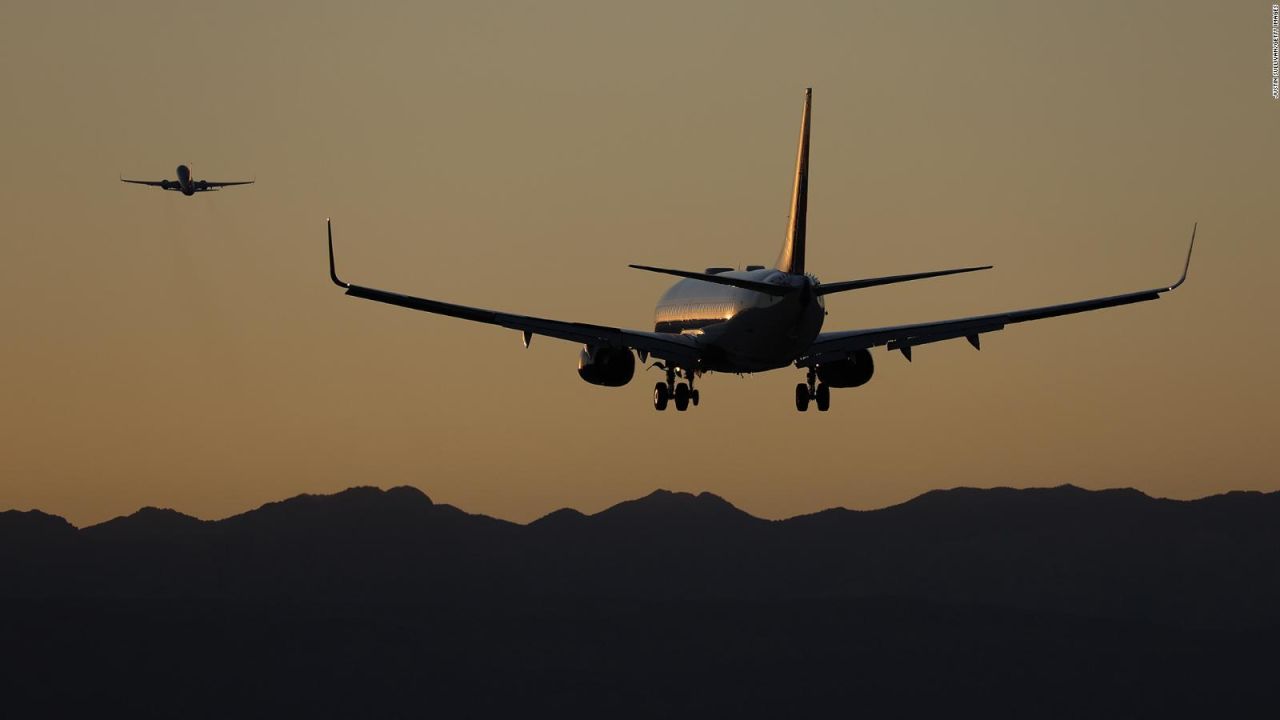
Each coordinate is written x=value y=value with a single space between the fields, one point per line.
x=750 y=321
x=185 y=184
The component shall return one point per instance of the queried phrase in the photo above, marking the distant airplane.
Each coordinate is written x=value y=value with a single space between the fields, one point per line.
x=750 y=321
x=185 y=184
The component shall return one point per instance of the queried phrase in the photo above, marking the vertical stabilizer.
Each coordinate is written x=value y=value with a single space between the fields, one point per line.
x=791 y=259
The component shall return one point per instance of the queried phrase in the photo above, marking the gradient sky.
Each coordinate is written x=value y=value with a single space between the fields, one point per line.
x=191 y=353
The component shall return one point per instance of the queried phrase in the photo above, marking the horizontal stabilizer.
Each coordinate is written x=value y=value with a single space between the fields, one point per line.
x=828 y=288
x=756 y=285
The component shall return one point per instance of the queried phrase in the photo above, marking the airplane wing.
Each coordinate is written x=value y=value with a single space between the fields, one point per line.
x=829 y=347
x=208 y=185
x=165 y=184
x=682 y=350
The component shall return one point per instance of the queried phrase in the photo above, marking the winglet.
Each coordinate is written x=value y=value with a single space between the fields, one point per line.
x=1187 y=266
x=333 y=271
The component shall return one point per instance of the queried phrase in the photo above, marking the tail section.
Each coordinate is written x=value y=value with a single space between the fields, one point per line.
x=791 y=259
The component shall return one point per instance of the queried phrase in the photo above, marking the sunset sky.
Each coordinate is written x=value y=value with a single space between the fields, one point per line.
x=191 y=352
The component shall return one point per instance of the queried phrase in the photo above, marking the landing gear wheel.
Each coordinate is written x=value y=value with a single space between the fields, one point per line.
x=693 y=397
x=823 y=397
x=802 y=397
x=660 y=397
x=682 y=397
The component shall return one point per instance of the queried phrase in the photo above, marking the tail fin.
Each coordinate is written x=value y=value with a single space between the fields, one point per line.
x=791 y=259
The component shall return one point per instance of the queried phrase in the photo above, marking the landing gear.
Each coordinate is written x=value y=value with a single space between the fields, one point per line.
x=823 y=397
x=683 y=393
x=682 y=397
x=660 y=397
x=811 y=389
x=802 y=397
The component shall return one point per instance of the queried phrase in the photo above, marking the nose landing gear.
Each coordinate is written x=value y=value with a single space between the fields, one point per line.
x=811 y=389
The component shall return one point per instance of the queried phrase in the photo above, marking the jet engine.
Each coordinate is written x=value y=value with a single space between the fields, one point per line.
x=603 y=365
x=852 y=372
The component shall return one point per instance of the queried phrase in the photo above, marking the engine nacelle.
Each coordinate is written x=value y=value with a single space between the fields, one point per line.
x=611 y=367
x=855 y=371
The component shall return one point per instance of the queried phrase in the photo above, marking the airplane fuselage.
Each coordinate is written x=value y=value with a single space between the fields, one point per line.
x=743 y=330
x=184 y=181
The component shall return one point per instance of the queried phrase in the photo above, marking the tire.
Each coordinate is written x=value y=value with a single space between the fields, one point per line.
x=802 y=397
x=693 y=397
x=660 y=397
x=823 y=396
x=682 y=397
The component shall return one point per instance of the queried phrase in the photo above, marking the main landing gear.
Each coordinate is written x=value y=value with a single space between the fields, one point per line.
x=682 y=393
x=813 y=390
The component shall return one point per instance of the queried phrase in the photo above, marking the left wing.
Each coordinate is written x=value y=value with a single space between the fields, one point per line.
x=829 y=347
x=681 y=350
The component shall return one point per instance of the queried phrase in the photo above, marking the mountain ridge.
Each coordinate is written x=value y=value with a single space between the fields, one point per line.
x=1090 y=603
x=414 y=494
x=1113 y=553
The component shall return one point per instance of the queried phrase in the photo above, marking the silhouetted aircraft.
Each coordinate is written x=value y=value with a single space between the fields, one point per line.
x=759 y=319
x=185 y=184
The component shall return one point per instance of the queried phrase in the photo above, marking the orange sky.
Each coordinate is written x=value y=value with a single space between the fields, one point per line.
x=190 y=352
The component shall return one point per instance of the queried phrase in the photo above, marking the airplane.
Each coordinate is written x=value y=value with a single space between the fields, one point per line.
x=185 y=184
x=759 y=319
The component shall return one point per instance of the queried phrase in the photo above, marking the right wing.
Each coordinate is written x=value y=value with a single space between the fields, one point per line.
x=831 y=347
x=681 y=350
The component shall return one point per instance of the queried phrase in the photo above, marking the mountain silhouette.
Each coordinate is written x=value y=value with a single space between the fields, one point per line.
x=149 y=523
x=666 y=508
x=1110 y=553
x=369 y=601
x=33 y=527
